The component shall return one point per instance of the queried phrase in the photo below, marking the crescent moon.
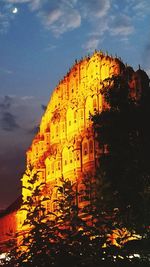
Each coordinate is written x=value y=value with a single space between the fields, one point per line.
x=15 y=10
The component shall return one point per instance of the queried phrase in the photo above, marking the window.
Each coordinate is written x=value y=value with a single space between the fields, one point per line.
x=75 y=116
x=94 y=103
x=56 y=130
x=52 y=167
x=91 y=146
x=63 y=128
x=78 y=155
x=59 y=165
x=65 y=162
x=70 y=156
x=85 y=149
x=81 y=114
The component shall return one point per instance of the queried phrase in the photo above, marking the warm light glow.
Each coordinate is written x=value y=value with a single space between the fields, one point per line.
x=65 y=143
x=62 y=146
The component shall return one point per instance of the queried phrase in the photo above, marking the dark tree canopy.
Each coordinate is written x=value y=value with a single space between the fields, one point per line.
x=123 y=127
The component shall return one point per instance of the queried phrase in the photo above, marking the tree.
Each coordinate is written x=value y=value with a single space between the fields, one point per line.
x=122 y=131
x=75 y=246
x=38 y=239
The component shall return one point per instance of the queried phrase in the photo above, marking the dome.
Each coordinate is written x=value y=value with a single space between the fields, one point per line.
x=142 y=74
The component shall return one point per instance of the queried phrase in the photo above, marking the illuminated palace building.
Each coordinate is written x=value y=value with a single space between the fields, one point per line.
x=65 y=145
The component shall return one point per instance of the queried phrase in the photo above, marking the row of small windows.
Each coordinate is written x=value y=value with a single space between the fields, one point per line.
x=69 y=157
x=87 y=149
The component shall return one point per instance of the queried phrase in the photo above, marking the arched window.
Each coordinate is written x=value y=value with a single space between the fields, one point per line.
x=56 y=130
x=52 y=167
x=91 y=146
x=78 y=155
x=94 y=103
x=63 y=127
x=75 y=116
x=70 y=157
x=85 y=149
x=59 y=166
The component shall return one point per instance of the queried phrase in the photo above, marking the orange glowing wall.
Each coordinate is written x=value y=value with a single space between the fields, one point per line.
x=8 y=226
x=65 y=143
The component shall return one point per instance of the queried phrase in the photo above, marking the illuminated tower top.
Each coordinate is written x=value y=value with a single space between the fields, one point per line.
x=74 y=98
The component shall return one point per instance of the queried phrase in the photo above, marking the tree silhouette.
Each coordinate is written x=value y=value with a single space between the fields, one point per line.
x=76 y=244
x=36 y=245
x=122 y=131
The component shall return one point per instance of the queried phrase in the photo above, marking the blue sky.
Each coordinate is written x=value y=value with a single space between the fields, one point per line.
x=39 y=41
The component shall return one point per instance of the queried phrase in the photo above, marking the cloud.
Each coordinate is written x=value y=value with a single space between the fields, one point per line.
x=19 y=113
x=5 y=103
x=26 y=97
x=121 y=25
x=12 y=166
x=50 y=47
x=91 y=44
x=6 y=71
x=67 y=15
x=141 y=8
x=61 y=19
x=110 y=18
x=18 y=1
x=8 y=122
x=18 y=117
x=6 y=16
x=96 y=8
x=57 y=16
x=35 y=5
x=53 y=16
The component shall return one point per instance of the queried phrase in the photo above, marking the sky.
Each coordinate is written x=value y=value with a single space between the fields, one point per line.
x=39 y=41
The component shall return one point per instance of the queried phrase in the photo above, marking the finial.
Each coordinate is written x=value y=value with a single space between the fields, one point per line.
x=139 y=67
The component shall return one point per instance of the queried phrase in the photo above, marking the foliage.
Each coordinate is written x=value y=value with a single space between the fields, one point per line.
x=122 y=131
x=35 y=247
x=77 y=246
